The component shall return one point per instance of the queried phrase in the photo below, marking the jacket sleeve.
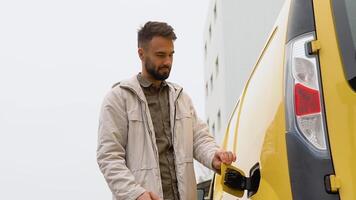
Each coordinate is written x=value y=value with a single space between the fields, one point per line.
x=204 y=144
x=112 y=139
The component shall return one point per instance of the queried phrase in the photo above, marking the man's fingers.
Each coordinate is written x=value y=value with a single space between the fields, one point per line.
x=154 y=196
x=227 y=157
x=145 y=196
x=222 y=156
x=231 y=156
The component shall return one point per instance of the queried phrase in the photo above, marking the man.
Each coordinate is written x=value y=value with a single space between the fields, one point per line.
x=149 y=132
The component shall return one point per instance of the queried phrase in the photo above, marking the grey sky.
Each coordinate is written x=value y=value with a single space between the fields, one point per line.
x=57 y=61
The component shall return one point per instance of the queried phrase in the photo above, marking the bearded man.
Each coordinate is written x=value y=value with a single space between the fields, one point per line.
x=149 y=131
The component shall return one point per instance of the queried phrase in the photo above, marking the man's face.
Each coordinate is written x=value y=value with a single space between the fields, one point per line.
x=158 y=58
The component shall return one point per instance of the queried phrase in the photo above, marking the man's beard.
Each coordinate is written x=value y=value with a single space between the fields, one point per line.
x=150 y=68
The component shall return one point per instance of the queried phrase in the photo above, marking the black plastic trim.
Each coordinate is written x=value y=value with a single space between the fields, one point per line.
x=307 y=171
x=301 y=18
x=212 y=186
x=348 y=50
x=254 y=180
x=235 y=180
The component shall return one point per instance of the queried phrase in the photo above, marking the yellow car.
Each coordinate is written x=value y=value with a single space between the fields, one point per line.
x=294 y=127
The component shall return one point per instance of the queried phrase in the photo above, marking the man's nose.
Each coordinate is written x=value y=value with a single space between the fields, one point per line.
x=168 y=61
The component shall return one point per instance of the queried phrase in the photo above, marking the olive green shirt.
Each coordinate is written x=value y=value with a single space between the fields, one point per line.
x=158 y=103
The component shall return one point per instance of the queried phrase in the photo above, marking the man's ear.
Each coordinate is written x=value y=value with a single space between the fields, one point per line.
x=141 y=53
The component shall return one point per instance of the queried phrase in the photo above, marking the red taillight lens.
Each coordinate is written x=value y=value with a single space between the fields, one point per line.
x=307 y=100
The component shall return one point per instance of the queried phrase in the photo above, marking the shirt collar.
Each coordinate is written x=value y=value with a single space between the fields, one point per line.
x=146 y=83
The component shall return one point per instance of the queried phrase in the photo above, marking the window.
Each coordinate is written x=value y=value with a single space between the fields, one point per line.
x=345 y=16
x=205 y=50
x=217 y=65
x=210 y=31
x=219 y=120
x=206 y=89
x=215 y=12
x=351 y=15
x=213 y=129
x=211 y=82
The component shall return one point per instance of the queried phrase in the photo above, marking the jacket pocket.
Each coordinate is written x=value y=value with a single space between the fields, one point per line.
x=134 y=115
x=147 y=177
x=139 y=151
x=184 y=136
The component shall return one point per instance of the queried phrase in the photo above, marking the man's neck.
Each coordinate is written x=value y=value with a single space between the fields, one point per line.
x=156 y=83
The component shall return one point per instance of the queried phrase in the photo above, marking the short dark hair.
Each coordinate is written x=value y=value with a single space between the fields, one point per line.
x=152 y=29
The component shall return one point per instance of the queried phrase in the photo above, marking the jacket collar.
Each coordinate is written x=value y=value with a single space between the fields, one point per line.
x=134 y=85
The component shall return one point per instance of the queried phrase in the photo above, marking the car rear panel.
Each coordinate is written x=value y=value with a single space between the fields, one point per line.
x=339 y=100
x=308 y=164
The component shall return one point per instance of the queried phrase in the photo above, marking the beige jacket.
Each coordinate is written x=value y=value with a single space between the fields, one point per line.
x=127 y=153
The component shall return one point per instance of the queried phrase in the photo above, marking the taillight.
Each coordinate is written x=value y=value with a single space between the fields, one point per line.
x=304 y=93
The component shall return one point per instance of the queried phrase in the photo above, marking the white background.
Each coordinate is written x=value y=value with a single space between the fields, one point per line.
x=57 y=61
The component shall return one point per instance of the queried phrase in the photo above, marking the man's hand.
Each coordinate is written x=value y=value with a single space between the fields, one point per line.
x=222 y=156
x=148 y=196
